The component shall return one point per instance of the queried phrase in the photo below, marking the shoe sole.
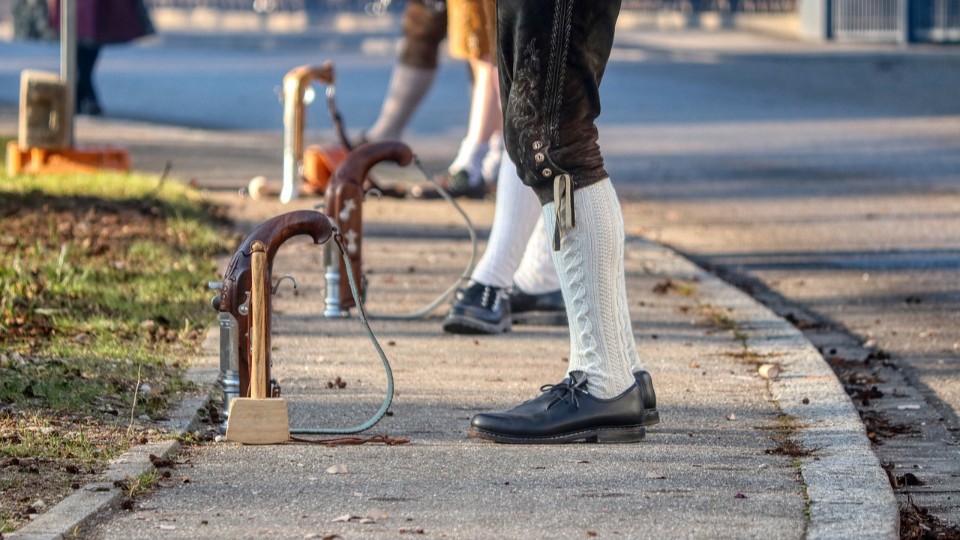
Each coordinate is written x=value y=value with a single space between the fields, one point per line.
x=433 y=195
x=457 y=324
x=540 y=318
x=613 y=435
x=651 y=417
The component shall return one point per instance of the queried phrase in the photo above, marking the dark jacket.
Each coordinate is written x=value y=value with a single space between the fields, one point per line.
x=102 y=22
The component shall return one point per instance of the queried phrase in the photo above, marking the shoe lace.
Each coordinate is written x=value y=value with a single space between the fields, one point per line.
x=566 y=390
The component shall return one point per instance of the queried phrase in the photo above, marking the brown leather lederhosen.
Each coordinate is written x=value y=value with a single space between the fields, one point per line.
x=552 y=55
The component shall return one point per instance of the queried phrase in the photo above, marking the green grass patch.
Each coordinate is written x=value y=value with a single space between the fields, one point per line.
x=679 y=287
x=4 y=139
x=142 y=483
x=102 y=298
x=723 y=321
x=103 y=275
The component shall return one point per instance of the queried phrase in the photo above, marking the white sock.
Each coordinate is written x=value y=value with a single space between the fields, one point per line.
x=470 y=158
x=590 y=266
x=537 y=274
x=516 y=213
x=408 y=86
x=491 y=161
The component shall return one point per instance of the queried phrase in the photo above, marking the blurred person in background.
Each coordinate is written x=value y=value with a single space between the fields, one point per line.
x=472 y=31
x=424 y=24
x=99 y=23
x=31 y=20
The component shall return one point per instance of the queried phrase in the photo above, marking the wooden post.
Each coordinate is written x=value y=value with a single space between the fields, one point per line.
x=256 y=419
x=258 y=328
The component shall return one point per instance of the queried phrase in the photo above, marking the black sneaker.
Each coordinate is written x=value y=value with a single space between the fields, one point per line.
x=456 y=185
x=479 y=309
x=649 y=398
x=545 y=309
x=564 y=413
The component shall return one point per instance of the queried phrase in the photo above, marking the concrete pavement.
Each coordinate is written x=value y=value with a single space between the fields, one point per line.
x=736 y=455
x=742 y=159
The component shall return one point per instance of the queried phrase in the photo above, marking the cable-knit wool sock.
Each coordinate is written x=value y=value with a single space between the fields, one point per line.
x=590 y=266
x=408 y=86
x=536 y=274
x=514 y=217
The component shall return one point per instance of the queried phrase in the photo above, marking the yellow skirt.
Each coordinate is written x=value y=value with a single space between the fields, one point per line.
x=472 y=29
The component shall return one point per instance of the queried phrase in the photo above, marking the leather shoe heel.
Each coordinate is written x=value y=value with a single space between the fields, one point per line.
x=542 y=309
x=619 y=436
x=651 y=415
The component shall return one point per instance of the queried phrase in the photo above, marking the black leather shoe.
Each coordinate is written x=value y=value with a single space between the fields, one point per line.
x=479 y=309
x=456 y=185
x=566 y=413
x=89 y=107
x=545 y=308
x=648 y=397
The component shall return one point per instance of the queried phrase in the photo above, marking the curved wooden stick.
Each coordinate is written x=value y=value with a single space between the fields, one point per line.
x=343 y=202
x=358 y=163
x=236 y=293
x=295 y=84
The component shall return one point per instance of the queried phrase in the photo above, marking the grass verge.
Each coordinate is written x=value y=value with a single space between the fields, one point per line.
x=102 y=298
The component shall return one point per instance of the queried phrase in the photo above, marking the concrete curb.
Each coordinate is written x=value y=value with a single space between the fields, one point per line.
x=63 y=520
x=849 y=493
x=66 y=517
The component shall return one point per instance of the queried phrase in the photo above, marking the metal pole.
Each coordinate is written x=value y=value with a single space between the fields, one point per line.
x=68 y=61
x=904 y=35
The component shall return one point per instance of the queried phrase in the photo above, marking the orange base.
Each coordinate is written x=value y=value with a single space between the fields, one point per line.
x=64 y=160
x=319 y=164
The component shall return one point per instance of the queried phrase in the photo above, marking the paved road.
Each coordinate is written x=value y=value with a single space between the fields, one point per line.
x=824 y=177
x=832 y=192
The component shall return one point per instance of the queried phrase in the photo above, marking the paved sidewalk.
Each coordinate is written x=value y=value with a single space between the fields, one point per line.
x=715 y=467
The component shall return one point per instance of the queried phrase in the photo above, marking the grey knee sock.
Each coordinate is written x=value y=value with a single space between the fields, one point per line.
x=408 y=86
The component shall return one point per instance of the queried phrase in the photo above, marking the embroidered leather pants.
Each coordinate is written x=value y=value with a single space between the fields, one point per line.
x=424 y=27
x=552 y=55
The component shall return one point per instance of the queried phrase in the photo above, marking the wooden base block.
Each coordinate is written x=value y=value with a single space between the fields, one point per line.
x=64 y=160
x=258 y=421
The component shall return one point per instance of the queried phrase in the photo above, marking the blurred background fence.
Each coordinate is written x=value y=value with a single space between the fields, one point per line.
x=367 y=6
x=932 y=21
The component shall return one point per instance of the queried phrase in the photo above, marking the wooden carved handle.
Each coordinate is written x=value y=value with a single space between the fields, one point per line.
x=358 y=163
x=258 y=327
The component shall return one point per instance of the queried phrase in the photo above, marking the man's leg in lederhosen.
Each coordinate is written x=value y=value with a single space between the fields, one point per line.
x=552 y=55
x=424 y=27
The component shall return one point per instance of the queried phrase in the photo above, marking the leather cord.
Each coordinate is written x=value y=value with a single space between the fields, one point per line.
x=362 y=315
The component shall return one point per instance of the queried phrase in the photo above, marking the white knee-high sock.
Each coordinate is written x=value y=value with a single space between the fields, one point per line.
x=485 y=120
x=536 y=274
x=408 y=86
x=590 y=266
x=516 y=213
x=470 y=158
x=490 y=167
